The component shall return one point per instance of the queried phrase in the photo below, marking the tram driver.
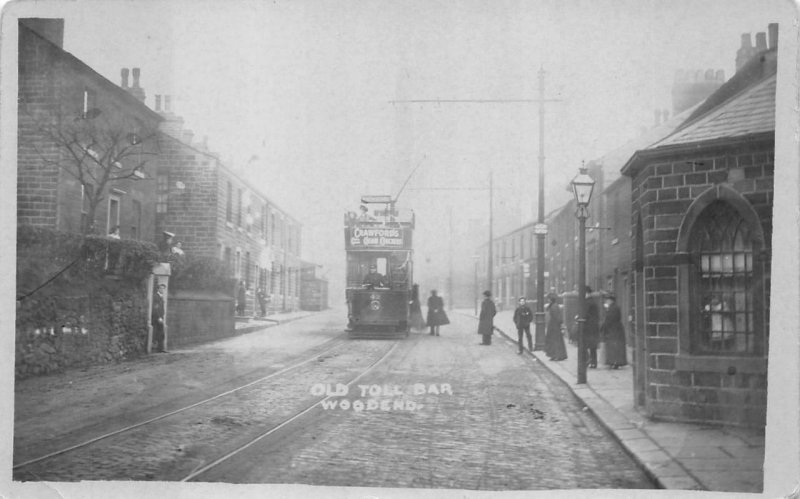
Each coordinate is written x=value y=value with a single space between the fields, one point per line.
x=374 y=279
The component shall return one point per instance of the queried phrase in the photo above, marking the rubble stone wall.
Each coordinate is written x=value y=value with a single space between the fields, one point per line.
x=80 y=301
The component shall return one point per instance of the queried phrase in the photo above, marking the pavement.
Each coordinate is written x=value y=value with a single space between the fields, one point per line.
x=680 y=456
x=249 y=324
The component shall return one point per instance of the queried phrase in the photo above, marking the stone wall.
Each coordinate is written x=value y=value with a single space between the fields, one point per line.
x=80 y=300
x=195 y=317
x=724 y=389
x=106 y=324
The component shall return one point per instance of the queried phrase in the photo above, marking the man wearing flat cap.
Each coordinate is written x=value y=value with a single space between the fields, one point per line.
x=374 y=279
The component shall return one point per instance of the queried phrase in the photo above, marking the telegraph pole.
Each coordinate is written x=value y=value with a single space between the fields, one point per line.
x=542 y=229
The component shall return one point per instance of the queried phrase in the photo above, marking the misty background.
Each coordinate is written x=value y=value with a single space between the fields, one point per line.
x=307 y=99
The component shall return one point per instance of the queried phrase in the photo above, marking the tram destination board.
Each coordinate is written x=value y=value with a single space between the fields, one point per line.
x=381 y=237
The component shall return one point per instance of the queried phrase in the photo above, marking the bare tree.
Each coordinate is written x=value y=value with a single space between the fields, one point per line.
x=98 y=149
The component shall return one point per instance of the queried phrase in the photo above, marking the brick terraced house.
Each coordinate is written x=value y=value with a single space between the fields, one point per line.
x=702 y=224
x=215 y=212
x=71 y=123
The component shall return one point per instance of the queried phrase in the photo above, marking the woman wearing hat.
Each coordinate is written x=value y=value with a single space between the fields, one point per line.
x=486 y=318
x=613 y=333
x=554 y=340
x=436 y=315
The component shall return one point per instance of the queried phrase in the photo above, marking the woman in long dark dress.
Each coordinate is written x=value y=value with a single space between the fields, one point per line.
x=486 y=318
x=591 y=329
x=613 y=332
x=415 y=310
x=436 y=315
x=554 y=339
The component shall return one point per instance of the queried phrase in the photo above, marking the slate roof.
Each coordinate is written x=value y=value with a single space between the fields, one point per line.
x=753 y=111
x=744 y=105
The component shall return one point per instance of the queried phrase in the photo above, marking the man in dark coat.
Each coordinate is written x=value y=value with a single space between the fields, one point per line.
x=374 y=279
x=486 y=318
x=262 y=301
x=522 y=319
x=436 y=314
x=157 y=320
x=241 y=299
x=591 y=329
x=613 y=333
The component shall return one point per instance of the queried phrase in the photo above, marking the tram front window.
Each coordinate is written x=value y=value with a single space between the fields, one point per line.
x=374 y=279
x=378 y=270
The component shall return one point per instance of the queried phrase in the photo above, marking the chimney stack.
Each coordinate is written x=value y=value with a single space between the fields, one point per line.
x=158 y=103
x=761 y=41
x=135 y=89
x=125 y=78
x=773 y=35
x=745 y=51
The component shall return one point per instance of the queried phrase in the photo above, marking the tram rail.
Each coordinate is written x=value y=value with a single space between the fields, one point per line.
x=337 y=343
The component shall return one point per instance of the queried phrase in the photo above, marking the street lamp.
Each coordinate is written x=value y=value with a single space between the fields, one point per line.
x=582 y=186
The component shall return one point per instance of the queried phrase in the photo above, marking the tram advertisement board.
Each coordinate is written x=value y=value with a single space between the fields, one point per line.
x=377 y=238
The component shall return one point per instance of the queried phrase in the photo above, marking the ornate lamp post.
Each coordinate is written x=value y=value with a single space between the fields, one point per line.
x=582 y=186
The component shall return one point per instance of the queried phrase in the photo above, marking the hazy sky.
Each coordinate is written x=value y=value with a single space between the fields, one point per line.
x=307 y=88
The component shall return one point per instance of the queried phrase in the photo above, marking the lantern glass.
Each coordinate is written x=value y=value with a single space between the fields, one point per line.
x=582 y=187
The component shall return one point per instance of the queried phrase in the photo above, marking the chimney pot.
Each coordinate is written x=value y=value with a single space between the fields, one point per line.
x=761 y=41
x=167 y=103
x=125 y=78
x=746 y=41
x=158 y=103
x=135 y=72
x=773 y=35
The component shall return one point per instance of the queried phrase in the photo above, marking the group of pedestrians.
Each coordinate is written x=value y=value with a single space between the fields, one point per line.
x=611 y=331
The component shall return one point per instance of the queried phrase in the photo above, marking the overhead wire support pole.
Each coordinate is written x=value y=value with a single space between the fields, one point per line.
x=540 y=237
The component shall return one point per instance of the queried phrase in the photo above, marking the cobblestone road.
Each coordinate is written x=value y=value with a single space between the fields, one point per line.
x=490 y=420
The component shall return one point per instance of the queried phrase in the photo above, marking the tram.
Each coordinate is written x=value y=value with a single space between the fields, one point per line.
x=379 y=269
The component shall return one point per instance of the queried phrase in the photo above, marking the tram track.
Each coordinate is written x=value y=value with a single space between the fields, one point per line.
x=336 y=343
x=203 y=469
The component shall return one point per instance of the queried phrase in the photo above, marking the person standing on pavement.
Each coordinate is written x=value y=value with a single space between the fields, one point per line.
x=241 y=297
x=613 y=333
x=415 y=310
x=554 y=339
x=157 y=320
x=522 y=319
x=262 y=301
x=486 y=318
x=436 y=315
x=591 y=329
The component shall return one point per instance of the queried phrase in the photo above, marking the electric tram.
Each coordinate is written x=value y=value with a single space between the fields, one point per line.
x=379 y=268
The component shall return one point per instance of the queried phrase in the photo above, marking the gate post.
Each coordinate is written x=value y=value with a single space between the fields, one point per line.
x=159 y=275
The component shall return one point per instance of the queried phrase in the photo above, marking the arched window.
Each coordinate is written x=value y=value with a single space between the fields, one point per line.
x=723 y=284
